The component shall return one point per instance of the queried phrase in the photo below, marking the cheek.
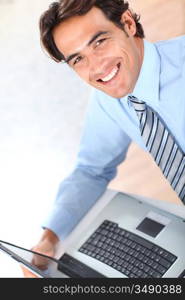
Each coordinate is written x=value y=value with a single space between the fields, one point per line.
x=127 y=51
x=126 y=55
x=83 y=74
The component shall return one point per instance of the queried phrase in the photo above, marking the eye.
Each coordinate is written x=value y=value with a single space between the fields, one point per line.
x=77 y=60
x=99 y=42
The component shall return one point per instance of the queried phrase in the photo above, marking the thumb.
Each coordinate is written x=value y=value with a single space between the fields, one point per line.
x=27 y=273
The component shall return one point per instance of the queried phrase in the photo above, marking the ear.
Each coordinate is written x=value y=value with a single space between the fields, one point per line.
x=128 y=22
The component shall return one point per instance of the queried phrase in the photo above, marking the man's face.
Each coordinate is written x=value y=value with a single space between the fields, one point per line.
x=100 y=52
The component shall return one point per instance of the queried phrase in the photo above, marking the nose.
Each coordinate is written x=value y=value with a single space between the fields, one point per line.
x=96 y=67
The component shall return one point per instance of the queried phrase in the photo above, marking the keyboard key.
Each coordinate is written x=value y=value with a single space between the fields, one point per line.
x=121 y=247
x=141 y=241
x=170 y=257
x=157 y=258
x=154 y=265
x=165 y=263
x=138 y=248
x=102 y=259
x=123 y=255
x=131 y=251
x=133 y=245
x=148 y=252
x=114 y=236
x=132 y=260
x=119 y=239
x=143 y=249
x=145 y=259
x=161 y=252
x=117 y=244
x=105 y=247
x=129 y=242
x=153 y=255
x=139 y=273
x=119 y=268
x=103 y=239
x=141 y=266
x=155 y=249
x=150 y=262
x=118 y=252
x=156 y=274
x=122 y=232
x=161 y=269
x=130 y=267
x=127 y=257
x=111 y=257
x=144 y=275
x=120 y=261
x=126 y=249
x=137 y=263
x=125 y=264
x=115 y=259
x=140 y=256
x=127 y=272
x=135 y=269
x=146 y=269
x=132 y=275
x=150 y=272
x=123 y=270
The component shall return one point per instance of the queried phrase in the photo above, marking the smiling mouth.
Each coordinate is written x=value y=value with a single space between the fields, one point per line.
x=111 y=75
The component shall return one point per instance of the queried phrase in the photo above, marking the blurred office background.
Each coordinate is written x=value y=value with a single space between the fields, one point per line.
x=42 y=106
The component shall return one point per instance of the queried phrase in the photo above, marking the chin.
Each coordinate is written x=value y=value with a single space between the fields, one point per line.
x=120 y=91
x=117 y=94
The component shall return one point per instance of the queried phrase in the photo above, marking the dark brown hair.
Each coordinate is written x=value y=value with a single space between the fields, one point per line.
x=64 y=9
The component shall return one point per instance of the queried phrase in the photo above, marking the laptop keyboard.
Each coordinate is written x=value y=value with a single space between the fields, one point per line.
x=127 y=252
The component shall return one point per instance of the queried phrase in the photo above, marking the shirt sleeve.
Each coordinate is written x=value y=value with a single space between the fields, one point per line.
x=103 y=147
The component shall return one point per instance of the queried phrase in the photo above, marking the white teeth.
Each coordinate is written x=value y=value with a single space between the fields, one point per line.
x=111 y=75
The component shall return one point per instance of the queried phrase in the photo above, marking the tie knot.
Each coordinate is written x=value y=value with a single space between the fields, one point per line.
x=138 y=105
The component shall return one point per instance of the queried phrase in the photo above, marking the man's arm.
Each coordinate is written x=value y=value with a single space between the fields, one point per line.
x=103 y=147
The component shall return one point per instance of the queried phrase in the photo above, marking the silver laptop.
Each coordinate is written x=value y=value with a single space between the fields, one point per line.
x=128 y=238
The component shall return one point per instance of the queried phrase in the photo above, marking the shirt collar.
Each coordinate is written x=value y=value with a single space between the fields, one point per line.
x=147 y=85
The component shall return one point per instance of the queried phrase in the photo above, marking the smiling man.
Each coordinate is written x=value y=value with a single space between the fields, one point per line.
x=138 y=95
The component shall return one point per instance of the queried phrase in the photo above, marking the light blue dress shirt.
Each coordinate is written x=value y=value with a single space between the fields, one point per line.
x=111 y=124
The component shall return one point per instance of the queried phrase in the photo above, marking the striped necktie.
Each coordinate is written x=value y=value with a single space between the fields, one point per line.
x=162 y=145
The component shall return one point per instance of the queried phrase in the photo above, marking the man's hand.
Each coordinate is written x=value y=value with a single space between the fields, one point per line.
x=47 y=246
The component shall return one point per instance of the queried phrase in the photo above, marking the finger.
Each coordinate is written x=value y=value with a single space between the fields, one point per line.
x=27 y=273
x=40 y=262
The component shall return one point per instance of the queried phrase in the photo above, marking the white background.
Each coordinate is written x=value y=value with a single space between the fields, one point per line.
x=42 y=105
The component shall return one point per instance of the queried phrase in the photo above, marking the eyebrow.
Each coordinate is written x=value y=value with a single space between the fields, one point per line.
x=95 y=36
